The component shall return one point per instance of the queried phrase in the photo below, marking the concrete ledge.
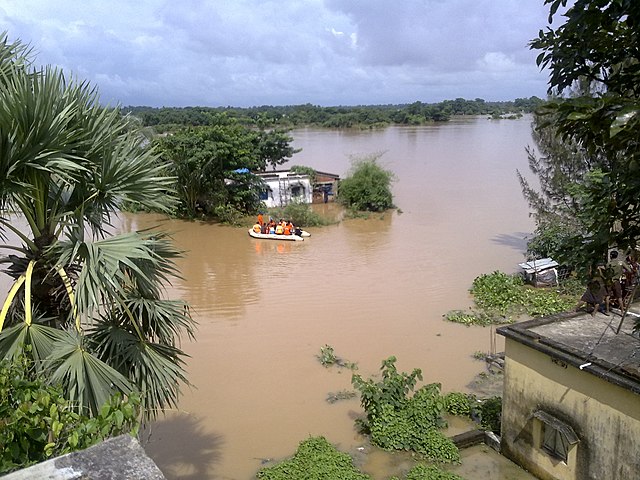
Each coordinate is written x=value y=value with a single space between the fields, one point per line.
x=114 y=459
x=468 y=439
x=476 y=437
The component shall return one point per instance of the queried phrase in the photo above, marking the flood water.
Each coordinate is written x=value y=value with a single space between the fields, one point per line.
x=369 y=288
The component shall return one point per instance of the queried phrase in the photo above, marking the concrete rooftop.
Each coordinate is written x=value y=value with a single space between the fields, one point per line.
x=589 y=343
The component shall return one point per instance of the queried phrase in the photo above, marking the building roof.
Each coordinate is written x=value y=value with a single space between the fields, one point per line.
x=588 y=343
x=287 y=171
x=533 y=266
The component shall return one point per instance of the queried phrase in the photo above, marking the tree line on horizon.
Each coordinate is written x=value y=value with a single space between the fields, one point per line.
x=290 y=116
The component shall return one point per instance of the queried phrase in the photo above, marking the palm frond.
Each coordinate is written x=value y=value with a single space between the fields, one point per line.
x=157 y=370
x=38 y=339
x=86 y=379
x=115 y=268
x=163 y=321
x=160 y=269
x=13 y=56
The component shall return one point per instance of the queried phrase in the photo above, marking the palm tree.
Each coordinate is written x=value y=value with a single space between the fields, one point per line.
x=87 y=306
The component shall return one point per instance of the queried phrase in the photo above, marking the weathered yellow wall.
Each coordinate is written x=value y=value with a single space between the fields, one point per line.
x=605 y=417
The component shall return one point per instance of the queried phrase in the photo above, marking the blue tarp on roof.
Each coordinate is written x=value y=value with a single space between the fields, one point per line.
x=241 y=170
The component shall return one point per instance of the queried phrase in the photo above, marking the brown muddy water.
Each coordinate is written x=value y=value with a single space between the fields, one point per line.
x=369 y=288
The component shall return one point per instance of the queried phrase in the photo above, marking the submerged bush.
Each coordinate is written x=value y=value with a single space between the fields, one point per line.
x=430 y=472
x=491 y=414
x=499 y=297
x=367 y=187
x=397 y=420
x=498 y=291
x=472 y=318
x=458 y=403
x=315 y=459
x=301 y=214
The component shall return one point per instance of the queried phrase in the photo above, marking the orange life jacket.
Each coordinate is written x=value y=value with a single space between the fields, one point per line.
x=287 y=230
x=256 y=228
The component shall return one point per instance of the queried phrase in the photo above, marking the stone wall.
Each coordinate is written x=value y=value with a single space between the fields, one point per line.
x=114 y=459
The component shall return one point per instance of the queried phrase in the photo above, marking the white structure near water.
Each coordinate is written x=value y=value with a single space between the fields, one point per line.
x=285 y=187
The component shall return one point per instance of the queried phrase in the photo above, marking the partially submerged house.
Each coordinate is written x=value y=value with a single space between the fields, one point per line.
x=284 y=187
x=325 y=187
x=571 y=403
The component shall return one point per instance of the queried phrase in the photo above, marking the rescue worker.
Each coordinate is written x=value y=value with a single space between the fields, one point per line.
x=257 y=228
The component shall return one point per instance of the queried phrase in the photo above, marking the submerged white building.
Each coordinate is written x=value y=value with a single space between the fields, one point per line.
x=284 y=187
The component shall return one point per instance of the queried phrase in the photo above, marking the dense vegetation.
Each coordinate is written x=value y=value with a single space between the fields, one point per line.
x=87 y=308
x=317 y=459
x=38 y=422
x=501 y=298
x=329 y=117
x=213 y=166
x=367 y=186
x=397 y=420
x=301 y=214
x=588 y=135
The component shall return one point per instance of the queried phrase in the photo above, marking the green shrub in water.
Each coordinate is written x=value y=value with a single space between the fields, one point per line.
x=300 y=214
x=472 y=318
x=498 y=291
x=458 y=403
x=315 y=459
x=327 y=356
x=491 y=414
x=500 y=297
x=430 y=472
x=397 y=420
x=368 y=186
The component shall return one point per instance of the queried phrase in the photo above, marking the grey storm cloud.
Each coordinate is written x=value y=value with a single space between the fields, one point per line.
x=261 y=52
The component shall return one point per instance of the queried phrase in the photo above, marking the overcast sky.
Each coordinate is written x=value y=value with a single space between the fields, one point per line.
x=287 y=52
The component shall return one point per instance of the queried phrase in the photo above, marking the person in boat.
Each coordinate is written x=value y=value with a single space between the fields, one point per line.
x=265 y=228
x=279 y=229
x=257 y=228
x=294 y=230
x=286 y=230
x=272 y=227
x=260 y=219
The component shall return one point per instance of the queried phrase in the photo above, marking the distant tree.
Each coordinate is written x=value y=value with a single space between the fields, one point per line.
x=599 y=43
x=368 y=186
